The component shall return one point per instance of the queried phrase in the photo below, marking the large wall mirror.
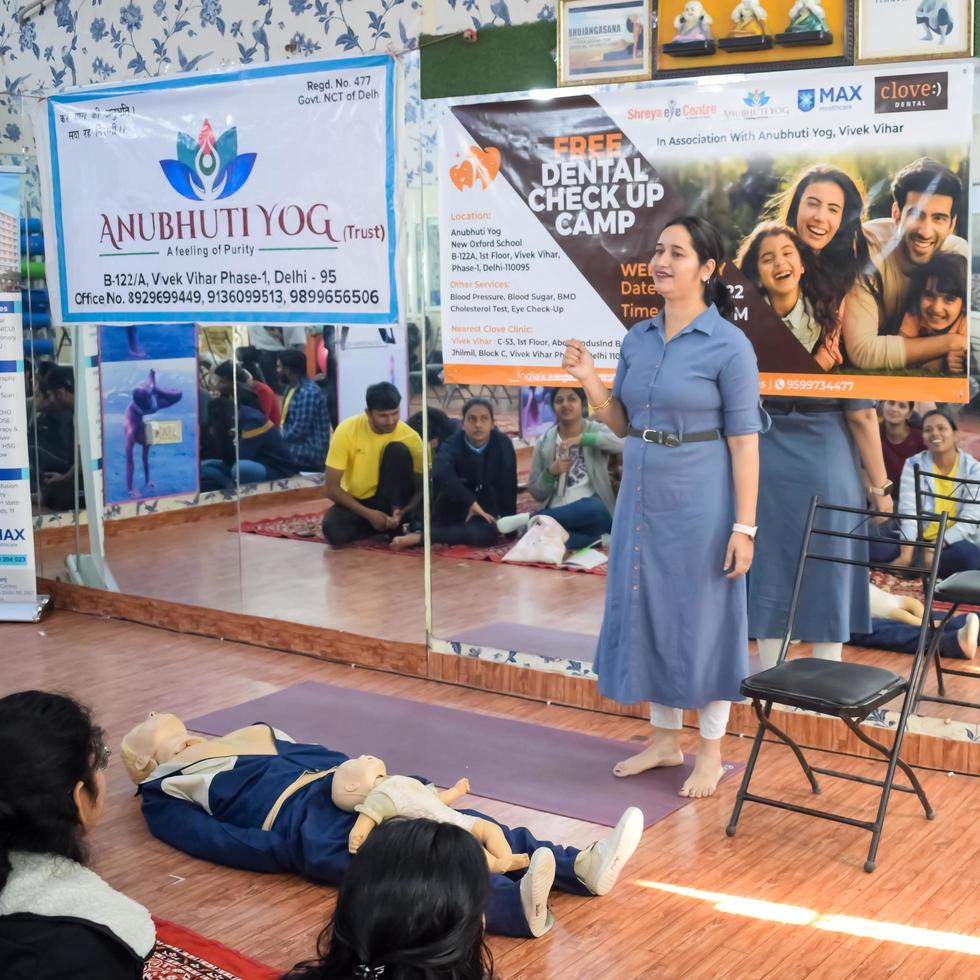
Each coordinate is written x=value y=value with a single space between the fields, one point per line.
x=546 y=620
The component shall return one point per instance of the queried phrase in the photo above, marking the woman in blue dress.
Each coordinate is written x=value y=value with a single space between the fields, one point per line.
x=686 y=394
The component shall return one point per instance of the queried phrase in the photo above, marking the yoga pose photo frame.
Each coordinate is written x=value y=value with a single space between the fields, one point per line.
x=703 y=37
x=919 y=30
x=602 y=41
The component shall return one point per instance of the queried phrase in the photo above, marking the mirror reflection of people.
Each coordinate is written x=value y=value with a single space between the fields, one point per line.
x=58 y=918
x=54 y=444
x=961 y=545
x=228 y=376
x=411 y=905
x=570 y=472
x=305 y=423
x=925 y=206
x=937 y=306
x=374 y=470
x=899 y=439
x=686 y=393
x=255 y=799
x=474 y=482
x=787 y=274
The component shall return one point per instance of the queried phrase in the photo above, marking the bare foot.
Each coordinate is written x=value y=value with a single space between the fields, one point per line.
x=406 y=541
x=707 y=772
x=659 y=753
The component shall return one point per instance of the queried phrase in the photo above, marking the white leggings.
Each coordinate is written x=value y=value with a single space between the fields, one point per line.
x=769 y=651
x=712 y=718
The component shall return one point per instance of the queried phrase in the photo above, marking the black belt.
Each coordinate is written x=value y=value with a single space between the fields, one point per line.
x=672 y=438
x=805 y=406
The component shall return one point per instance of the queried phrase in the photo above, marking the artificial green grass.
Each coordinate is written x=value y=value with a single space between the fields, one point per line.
x=503 y=59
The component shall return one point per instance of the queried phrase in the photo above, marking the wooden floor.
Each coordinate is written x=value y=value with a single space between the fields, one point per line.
x=786 y=898
x=203 y=564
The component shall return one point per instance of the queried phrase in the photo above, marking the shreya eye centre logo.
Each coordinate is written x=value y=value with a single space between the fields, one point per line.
x=208 y=168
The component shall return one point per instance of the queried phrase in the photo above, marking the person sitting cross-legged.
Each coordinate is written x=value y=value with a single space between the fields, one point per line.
x=374 y=470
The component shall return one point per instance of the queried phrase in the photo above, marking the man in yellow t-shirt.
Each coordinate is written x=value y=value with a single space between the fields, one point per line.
x=374 y=470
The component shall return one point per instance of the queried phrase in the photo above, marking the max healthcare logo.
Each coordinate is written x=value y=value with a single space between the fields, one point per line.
x=830 y=97
x=206 y=168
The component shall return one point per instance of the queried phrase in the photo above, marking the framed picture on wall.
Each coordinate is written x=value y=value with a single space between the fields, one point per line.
x=603 y=41
x=902 y=30
x=703 y=37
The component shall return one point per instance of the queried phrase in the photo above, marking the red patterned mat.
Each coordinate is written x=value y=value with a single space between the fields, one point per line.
x=182 y=954
x=899 y=585
x=307 y=527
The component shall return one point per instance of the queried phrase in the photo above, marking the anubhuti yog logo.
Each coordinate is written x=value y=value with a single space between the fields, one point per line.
x=208 y=168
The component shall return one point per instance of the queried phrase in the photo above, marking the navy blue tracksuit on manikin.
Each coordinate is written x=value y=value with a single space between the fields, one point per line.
x=215 y=810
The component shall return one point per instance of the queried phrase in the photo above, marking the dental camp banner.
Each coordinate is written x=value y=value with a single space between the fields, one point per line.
x=265 y=194
x=551 y=210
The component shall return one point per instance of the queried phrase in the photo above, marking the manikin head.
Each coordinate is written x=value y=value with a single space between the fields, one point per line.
x=153 y=742
x=354 y=779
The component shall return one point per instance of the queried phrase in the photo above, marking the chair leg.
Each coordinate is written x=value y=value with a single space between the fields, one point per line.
x=900 y=762
x=766 y=723
x=746 y=779
x=932 y=653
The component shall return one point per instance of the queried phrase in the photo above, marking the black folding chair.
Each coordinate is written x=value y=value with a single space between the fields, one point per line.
x=961 y=588
x=848 y=691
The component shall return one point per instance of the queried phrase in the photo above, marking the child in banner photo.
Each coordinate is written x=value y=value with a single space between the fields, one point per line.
x=937 y=307
x=787 y=274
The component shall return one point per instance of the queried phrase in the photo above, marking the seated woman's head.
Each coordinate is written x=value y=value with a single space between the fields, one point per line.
x=411 y=906
x=895 y=412
x=772 y=256
x=939 y=431
x=52 y=786
x=477 y=420
x=938 y=293
x=568 y=404
x=440 y=425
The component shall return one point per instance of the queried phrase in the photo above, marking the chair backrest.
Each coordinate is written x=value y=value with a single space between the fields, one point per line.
x=925 y=562
x=965 y=491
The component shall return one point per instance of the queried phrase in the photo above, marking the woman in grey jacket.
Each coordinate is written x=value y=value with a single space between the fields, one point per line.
x=570 y=472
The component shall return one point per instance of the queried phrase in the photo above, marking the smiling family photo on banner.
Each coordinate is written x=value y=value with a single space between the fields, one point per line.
x=227 y=197
x=551 y=209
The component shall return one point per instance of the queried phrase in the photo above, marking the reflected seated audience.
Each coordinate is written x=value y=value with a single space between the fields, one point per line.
x=441 y=426
x=942 y=456
x=55 y=440
x=570 y=473
x=227 y=375
x=262 y=453
x=899 y=439
x=374 y=470
x=474 y=482
x=305 y=422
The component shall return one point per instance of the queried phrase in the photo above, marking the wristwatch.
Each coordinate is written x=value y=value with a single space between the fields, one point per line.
x=884 y=490
x=745 y=529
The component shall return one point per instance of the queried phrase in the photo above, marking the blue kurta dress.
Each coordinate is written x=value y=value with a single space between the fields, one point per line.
x=674 y=629
x=806 y=453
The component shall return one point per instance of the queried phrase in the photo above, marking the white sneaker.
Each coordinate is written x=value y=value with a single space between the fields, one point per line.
x=535 y=889
x=598 y=866
x=967 y=635
x=512 y=522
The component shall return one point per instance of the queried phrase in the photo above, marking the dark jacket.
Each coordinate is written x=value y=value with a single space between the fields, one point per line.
x=261 y=440
x=461 y=476
x=60 y=921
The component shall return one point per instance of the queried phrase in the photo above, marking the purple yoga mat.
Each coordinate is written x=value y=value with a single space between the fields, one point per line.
x=547 y=769
x=538 y=640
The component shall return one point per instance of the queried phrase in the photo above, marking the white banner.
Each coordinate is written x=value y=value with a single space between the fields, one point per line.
x=550 y=210
x=265 y=194
x=18 y=585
